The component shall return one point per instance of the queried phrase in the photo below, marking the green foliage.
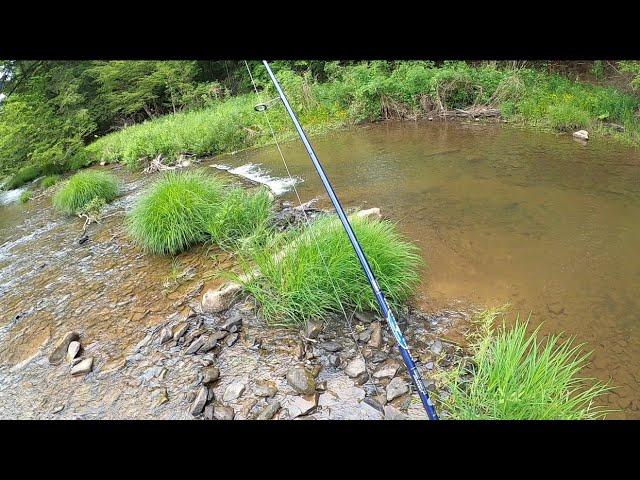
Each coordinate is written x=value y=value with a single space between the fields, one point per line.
x=81 y=189
x=49 y=181
x=307 y=273
x=633 y=67
x=241 y=214
x=26 y=196
x=516 y=376
x=174 y=212
x=22 y=176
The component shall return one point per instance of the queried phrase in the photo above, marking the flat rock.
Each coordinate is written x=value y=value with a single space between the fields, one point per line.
x=331 y=346
x=303 y=405
x=72 y=350
x=396 y=387
x=269 y=411
x=210 y=375
x=392 y=413
x=179 y=330
x=208 y=345
x=195 y=346
x=82 y=367
x=265 y=388
x=387 y=369
x=581 y=135
x=231 y=339
x=356 y=367
x=165 y=335
x=370 y=212
x=159 y=397
x=376 y=335
x=301 y=381
x=218 y=335
x=312 y=329
x=60 y=350
x=209 y=412
x=222 y=412
x=233 y=391
x=436 y=348
x=198 y=404
x=234 y=321
x=215 y=301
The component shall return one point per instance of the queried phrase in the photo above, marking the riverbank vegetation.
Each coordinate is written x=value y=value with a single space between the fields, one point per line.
x=61 y=116
x=185 y=208
x=309 y=272
x=82 y=188
x=519 y=376
x=26 y=196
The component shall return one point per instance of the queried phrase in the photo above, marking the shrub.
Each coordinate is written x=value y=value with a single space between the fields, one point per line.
x=311 y=279
x=174 y=212
x=22 y=176
x=26 y=196
x=518 y=376
x=83 y=187
x=49 y=181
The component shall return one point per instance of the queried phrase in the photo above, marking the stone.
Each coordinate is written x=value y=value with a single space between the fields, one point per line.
x=370 y=212
x=387 y=369
x=233 y=391
x=334 y=360
x=231 y=339
x=216 y=301
x=581 y=135
x=160 y=397
x=83 y=367
x=58 y=409
x=195 y=346
x=331 y=346
x=165 y=335
x=208 y=412
x=208 y=345
x=179 y=330
x=222 y=412
x=246 y=406
x=218 y=335
x=392 y=413
x=429 y=365
x=301 y=381
x=269 y=411
x=60 y=350
x=163 y=374
x=364 y=317
x=364 y=336
x=299 y=352
x=303 y=405
x=356 y=367
x=376 y=335
x=436 y=348
x=72 y=350
x=210 y=375
x=374 y=403
x=396 y=387
x=234 y=321
x=198 y=404
x=76 y=361
x=265 y=388
x=312 y=329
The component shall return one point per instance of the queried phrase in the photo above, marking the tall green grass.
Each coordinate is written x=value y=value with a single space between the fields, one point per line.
x=82 y=188
x=308 y=273
x=22 y=176
x=49 y=181
x=519 y=376
x=26 y=196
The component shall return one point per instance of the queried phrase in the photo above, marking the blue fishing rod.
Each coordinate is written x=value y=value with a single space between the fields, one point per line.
x=382 y=301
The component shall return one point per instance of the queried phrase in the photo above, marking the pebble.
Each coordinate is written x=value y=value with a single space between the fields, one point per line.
x=82 y=367
x=199 y=402
x=160 y=397
x=72 y=350
x=436 y=348
x=269 y=411
x=265 y=388
x=396 y=387
x=331 y=346
x=222 y=412
x=301 y=381
x=356 y=367
x=210 y=375
x=180 y=330
x=58 y=409
x=334 y=360
x=233 y=391
x=208 y=345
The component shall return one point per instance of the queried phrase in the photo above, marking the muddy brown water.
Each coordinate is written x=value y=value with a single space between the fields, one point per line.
x=501 y=215
x=534 y=219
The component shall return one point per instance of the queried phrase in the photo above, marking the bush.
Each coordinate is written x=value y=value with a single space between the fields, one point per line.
x=49 y=181
x=26 y=196
x=174 y=212
x=22 y=176
x=312 y=279
x=82 y=188
x=241 y=214
x=520 y=377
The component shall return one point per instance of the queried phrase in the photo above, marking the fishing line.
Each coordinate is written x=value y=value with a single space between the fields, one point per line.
x=309 y=230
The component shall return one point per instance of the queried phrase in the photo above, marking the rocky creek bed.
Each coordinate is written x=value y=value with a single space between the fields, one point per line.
x=103 y=339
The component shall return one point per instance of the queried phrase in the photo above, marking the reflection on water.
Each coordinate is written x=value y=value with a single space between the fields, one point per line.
x=503 y=215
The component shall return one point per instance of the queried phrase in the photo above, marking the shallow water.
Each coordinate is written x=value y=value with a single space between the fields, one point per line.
x=501 y=215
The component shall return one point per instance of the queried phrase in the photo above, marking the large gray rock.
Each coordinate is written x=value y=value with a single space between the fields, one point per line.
x=72 y=350
x=581 y=135
x=215 y=301
x=233 y=391
x=198 y=404
x=60 y=350
x=269 y=411
x=301 y=381
x=83 y=367
x=396 y=387
x=356 y=367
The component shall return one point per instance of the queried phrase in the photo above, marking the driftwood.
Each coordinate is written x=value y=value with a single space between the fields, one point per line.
x=471 y=112
x=156 y=165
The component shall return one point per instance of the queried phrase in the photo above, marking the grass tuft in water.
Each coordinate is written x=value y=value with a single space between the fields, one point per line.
x=517 y=376
x=173 y=213
x=295 y=285
x=49 y=181
x=82 y=188
x=26 y=196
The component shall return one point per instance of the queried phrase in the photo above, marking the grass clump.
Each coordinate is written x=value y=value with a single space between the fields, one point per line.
x=174 y=213
x=296 y=286
x=22 y=176
x=516 y=376
x=82 y=188
x=50 y=181
x=26 y=196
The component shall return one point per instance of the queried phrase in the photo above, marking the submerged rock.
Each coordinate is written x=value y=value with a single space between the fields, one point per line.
x=581 y=135
x=301 y=381
x=62 y=347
